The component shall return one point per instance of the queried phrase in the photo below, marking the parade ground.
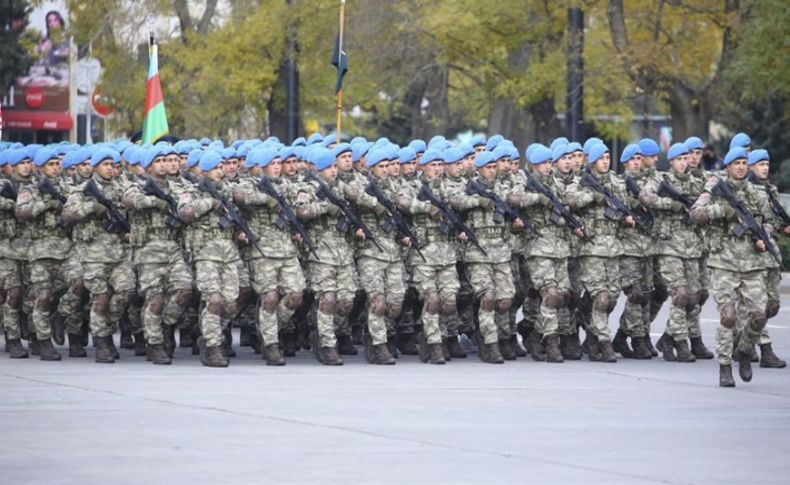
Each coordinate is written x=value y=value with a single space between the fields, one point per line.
x=633 y=422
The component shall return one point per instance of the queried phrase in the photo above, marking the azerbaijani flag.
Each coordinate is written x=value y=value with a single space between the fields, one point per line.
x=155 y=118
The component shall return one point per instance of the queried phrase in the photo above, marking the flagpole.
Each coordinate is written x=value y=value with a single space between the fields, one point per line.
x=340 y=63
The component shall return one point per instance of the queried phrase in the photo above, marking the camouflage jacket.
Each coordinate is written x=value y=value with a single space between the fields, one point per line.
x=450 y=187
x=674 y=237
x=153 y=240
x=211 y=236
x=604 y=232
x=769 y=189
x=42 y=216
x=728 y=251
x=13 y=244
x=439 y=249
x=94 y=243
x=554 y=235
x=635 y=242
x=333 y=245
x=262 y=213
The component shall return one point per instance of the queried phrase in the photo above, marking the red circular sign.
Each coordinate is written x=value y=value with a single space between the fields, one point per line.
x=34 y=97
x=102 y=105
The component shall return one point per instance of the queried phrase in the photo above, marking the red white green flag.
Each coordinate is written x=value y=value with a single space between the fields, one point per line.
x=155 y=118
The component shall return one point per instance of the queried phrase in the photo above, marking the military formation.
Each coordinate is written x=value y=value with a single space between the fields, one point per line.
x=326 y=246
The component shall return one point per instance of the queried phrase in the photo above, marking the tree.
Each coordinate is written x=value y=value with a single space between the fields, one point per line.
x=14 y=50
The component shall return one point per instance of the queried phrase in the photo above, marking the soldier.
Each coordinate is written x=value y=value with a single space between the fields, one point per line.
x=98 y=232
x=759 y=165
x=216 y=258
x=649 y=150
x=165 y=282
x=679 y=249
x=599 y=269
x=276 y=277
x=736 y=262
x=330 y=268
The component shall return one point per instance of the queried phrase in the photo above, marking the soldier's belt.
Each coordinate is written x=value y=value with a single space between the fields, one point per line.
x=161 y=234
x=490 y=232
x=218 y=234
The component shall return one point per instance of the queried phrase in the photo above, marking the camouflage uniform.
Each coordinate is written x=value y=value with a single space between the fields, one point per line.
x=13 y=256
x=463 y=321
x=107 y=272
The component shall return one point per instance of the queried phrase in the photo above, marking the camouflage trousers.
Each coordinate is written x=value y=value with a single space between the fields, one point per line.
x=681 y=278
x=340 y=282
x=74 y=299
x=218 y=283
x=579 y=315
x=600 y=275
x=442 y=282
x=741 y=295
x=110 y=286
x=494 y=282
x=549 y=275
x=704 y=284
x=384 y=284
x=283 y=276
x=11 y=286
x=165 y=288
x=465 y=302
x=636 y=278
x=48 y=283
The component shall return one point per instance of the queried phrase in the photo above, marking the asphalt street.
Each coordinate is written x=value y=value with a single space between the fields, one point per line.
x=633 y=422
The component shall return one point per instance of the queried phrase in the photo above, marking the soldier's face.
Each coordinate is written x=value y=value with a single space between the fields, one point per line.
x=578 y=160
x=738 y=169
x=230 y=167
x=274 y=169
x=514 y=166
x=634 y=165
x=394 y=169
x=649 y=162
x=329 y=174
x=105 y=169
x=182 y=162
x=488 y=172
x=215 y=174
x=503 y=165
x=566 y=163
x=22 y=169
x=695 y=156
x=433 y=170
x=84 y=169
x=761 y=169
x=453 y=170
x=289 y=166
x=408 y=169
x=480 y=149
x=344 y=162
x=545 y=167
x=173 y=162
x=381 y=170
x=157 y=167
x=51 y=168
x=680 y=163
x=602 y=165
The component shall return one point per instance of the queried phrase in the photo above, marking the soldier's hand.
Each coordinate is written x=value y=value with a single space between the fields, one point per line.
x=53 y=204
x=463 y=237
x=483 y=201
x=161 y=205
x=676 y=206
x=786 y=230
x=543 y=200
x=243 y=238
x=760 y=246
x=599 y=198
x=99 y=209
x=406 y=241
x=332 y=209
x=215 y=204
x=297 y=238
x=578 y=232
x=435 y=213
x=518 y=224
x=359 y=234
x=629 y=221
x=729 y=212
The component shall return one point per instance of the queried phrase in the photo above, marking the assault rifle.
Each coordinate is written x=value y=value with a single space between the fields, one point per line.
x=502 y=210
x=349 y=216
x=666 y=190
x=395 y=217
x=9 y=191
x=746 y=221
x=634 y=189
x=450 y=220
x=615 y=206
x=117 y=224
x=152 y=188
x=558 y=209
x=46 y=187
x=776 y=207
x=287 y=217
x=231 y=216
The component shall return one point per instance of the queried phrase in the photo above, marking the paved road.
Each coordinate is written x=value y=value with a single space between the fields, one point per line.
x=580 y=422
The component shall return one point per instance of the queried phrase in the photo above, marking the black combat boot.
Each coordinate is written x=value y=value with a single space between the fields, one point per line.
x=126 y=339
x=699 y=350
x=15 y=349
x=725 y=376
x=684 y=353
x=48 y=351
x=158 y=355
x=34 y=346
x=517 y=348
x=329 y=356
x=607 y=352
x=392 y=346
x=620 y=345
x=435 y=354
x=492 y=354
x=769 y=359
x=58 y=325
x=649 y=345
x=356 y=334
x=272 y=356
x=423 y=350
x=104 y=354
x=454 y=347
x=227 y=344
x=213 y=356
x=139 y=345
x=571 y=347
x=245 y=336
x=288 y=340
x=169 y=334
x=345 y=346
x=506 y=350
x=113 y=348
x=534 y=347
x=666 y=345
x=76 y=349
x=553 y=353
x=367 y=347
x=641 y=351
x=382 y=356
x=407 y=344
x=591 y=347
x=185 y=338
x=744 y=364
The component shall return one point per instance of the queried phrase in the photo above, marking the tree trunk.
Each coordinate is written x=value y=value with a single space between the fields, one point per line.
x=510 y=121
x=690 y=112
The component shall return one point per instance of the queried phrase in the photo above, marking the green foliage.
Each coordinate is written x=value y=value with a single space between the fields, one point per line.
x=16 y=45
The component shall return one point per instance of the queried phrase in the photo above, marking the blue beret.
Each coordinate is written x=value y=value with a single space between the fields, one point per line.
x=735 y=153
x=131 y=155
x=228 y=153
x=758 y=156
x=740 y=140
x=287 y=152
x=694 y=143
x=150 y=155
x=4 y=157
x=628 y=152
x=484 y=158
x=538 y=154
x=16 y=155
x=322 y=158
x=216 y=146
x=452 y=155
x=43 y=155
x=596 y=152
x=104 y=153
x=32 y=149
x=262 y=156
x=376 y=156
x=529 y=149
x=558 y=141
x=407 y=155
x=418 y=146
x=493 y=142
x=210 y=160
x=437 y=139
x=299 y=152
x=315 y=138
x=392 y=151
x=574 y=146
x=500 y=152
x=83 y=155
x=204 y=142
x=381 y=142
x=299 y=142
x=360 y=150
x=431 y=155
x=589 y=143
x=328 y=140
x=478 y=141
x=357 y=139
x=513 y=152
x=676 y=150
x=648 y=147
x=237 y=143
x=467 y=149
x=68 y=160
x=340 y=149
x=194 y=157
x=559 y=151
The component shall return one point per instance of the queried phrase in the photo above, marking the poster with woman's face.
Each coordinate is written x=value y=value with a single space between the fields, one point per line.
x=51 y=65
